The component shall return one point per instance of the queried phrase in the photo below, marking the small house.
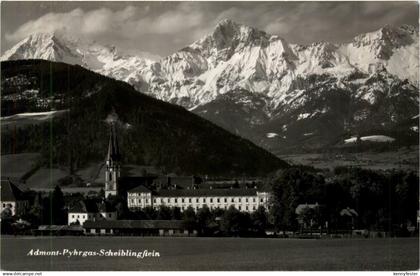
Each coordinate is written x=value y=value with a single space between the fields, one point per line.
x=90 y=210
x=12 y=198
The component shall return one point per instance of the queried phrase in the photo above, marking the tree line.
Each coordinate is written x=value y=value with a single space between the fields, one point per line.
x=345 y=199
x=382 y=200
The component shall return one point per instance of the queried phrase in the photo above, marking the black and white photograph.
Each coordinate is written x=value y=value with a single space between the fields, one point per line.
x=209 y=136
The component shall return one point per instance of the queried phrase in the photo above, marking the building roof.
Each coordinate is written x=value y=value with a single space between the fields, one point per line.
x=206 y=192
x=133 y=224
x=10 y=192
x=84 y=206
x=301 y=207
x=127 y=183
x=60 y=227
x=240 y=185
x=195 y=192
x=139 y=189
x=181 y=181
x=106 y=207
x=349 y=212
x=90 y=206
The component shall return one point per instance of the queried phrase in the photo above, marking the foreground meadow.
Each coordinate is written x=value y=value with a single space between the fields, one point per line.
x=213 y=254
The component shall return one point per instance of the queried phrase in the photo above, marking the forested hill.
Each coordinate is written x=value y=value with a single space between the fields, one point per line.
x=151 y=132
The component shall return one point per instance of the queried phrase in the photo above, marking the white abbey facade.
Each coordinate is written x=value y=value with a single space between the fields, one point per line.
x=247 y=200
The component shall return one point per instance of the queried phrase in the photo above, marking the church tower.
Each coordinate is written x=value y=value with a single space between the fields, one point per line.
x=113 y=166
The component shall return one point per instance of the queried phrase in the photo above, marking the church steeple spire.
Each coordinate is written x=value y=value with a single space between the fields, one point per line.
x=113 y=168
x=113 y=149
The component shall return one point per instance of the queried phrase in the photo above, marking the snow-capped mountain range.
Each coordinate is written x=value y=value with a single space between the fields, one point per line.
x=60 y=47
x=234 y=56
x=268 y=76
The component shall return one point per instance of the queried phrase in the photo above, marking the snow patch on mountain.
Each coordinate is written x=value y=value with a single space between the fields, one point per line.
x=272 y=135
x=31 y=117
x=303 y=116
x=372 y=138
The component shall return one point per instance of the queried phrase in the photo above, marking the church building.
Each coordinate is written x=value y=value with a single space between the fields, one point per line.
x=182 y=192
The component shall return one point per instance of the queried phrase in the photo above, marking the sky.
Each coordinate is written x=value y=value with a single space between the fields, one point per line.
x=162 y=28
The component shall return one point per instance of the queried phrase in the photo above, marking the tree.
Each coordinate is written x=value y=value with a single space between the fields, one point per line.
x=150 y=212
x=189 y=219
x=120 y=205
x=204 y=221
x=337 y=198
x=6 y=213
x=164 y=213
x=218 y=213
x=101 y=193
x=6 y=221
x=122 y=210
x=57 y=207
x=293 y=187
x=231 y=224
x=406 y=192
x=137 y=214
x=311 y=217
x=176 y=213
x=259 y=220
x=284 y=202
x=34 y=215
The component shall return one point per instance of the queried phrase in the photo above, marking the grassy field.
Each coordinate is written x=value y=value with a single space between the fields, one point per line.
x=404 y=159
x=16 y=166
x=214 y=254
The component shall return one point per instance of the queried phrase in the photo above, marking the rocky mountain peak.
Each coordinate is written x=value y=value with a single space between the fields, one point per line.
x=383 y=41
x=229 y=36
x=43 y=45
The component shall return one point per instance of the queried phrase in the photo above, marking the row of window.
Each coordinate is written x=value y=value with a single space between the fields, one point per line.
x=88 y=216
x=133 y=203
x=239 y=207
x=253 y=208
x=197 y=200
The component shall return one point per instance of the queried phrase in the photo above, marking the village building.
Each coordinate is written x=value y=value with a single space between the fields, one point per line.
x=302 y=209
x=90 y=210
x=12 y=198
x=138 y=227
